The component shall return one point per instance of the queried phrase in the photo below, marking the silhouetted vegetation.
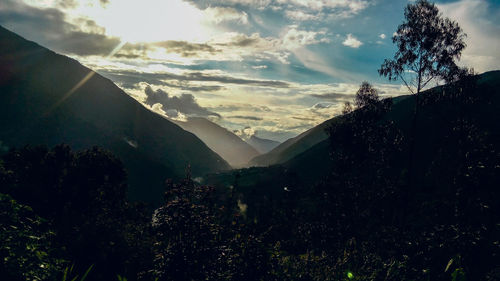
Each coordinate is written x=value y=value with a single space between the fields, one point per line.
x=363 y=220
x=428 y=46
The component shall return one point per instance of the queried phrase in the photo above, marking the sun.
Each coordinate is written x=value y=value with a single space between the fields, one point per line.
x=152 y=20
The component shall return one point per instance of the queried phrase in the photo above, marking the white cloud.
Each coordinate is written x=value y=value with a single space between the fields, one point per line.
x=382 y=36
x=259 y=66
x=295 y=38
x=253 y=3
x=482 y=33
x=300 y=15
x=221 y=14
x=352 y=6
x=352 y=41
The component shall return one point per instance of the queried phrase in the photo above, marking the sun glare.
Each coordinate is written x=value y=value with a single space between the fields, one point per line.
x=151 y=20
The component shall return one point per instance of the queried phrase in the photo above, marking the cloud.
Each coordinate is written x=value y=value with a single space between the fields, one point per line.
x=186 y=103
x=326 y=8
x=259 y=66
x=323 y=105
x=133 y=77
x=301 y=16
x=253 y=118
x=185 y=49
x=480 y=21
x=84 y=39
x=258 y=4
x=245 y=133
x=295 y=38
x=352 y=41
x=303 y=118
x=239 y=106
x=222 y=14
x=382 y=36
x=332 y=96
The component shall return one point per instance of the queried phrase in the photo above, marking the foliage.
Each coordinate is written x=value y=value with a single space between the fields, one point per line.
x=82 y=195
x=361 y=221
x=68 y=274
x=366 y=96
x=427 y=47
x=26 y=244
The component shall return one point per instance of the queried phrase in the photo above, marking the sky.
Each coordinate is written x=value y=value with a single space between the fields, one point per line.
x=273 y=68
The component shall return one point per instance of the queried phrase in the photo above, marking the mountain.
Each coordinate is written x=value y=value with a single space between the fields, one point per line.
x=262 y=145
x=48 y=99
x=299 y=144
x=306 y=159
x=294 y=146
x=225 y=143
x=431 y=122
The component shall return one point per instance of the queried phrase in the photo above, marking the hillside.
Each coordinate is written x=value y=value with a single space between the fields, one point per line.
x=48 y=99
x=308 y=156
x=262 y=145
x=229 y=146
x=431 y=120
x=299 y=144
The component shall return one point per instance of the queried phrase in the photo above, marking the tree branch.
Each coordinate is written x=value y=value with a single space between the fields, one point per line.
x=409 y=88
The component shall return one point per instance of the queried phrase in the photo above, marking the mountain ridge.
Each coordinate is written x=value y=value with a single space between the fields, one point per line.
x=225 y=143
x=39 y=104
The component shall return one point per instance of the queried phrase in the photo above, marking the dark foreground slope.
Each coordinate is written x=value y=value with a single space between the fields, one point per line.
x=225 y=143
x=45 y=100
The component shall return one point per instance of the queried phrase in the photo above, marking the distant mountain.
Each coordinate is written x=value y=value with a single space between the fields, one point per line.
x=262 y=145
x=46 y=98
x=225 y=143
x=293 y=147
x=299 y=144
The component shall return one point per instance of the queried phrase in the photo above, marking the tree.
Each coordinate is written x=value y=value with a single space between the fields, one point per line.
x=347 y=108
x=366 y=95
x=428 y=46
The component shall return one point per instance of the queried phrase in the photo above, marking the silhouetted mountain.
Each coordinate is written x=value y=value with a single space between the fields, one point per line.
x=262 y=145
x=431 y=121
x=46 y=98
x=299 y=144
x=229 y=146
x=293 y=147
x=307 y=156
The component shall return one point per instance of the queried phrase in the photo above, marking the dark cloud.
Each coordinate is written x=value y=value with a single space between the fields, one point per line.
x=67 y=4
x=188 y=87
x=236 y=107
x=186 y=103
x=253 y=118
x=242 y=41
x=131 y=81
x=186 y=49
x=332 y=96
x=86 y=44
x=132 y=77
x=303 y=118
x=49 y=27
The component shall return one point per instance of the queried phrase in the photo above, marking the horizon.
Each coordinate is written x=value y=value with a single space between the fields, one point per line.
x=272 y=67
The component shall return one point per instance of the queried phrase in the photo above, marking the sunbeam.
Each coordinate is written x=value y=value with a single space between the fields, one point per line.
x=84 y=80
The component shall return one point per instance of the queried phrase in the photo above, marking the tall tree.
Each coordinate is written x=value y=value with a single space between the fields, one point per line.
x=428 y=46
